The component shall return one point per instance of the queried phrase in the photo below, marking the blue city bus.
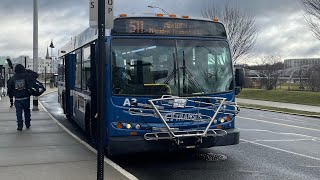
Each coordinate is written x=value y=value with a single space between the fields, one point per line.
x=170 y=84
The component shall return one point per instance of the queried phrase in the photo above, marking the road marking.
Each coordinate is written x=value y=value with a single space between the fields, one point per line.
x=293 y=117
x=259 y=120
x=282 y=140
x=282 y=150
x=293 y=134
x=106 y=160
x=312 y=166
x=295 y=120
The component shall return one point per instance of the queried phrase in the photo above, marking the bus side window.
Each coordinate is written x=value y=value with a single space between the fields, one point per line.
x=78 y=70
x=86 y=68
x=61 y=74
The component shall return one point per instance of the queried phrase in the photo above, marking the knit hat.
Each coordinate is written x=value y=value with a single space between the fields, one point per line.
x=19 y=68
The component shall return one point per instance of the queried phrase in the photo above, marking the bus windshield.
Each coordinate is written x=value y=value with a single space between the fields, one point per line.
x=170 y=67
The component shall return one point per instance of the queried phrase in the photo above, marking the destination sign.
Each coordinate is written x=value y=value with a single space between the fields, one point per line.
x=167 y=27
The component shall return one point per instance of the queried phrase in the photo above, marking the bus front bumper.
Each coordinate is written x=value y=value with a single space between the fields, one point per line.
x=134 y=144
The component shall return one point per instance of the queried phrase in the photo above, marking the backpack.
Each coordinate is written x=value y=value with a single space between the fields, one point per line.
x=35 y=87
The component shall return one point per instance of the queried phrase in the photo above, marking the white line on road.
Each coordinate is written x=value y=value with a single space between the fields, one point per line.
x=281 y=140
x=307 y=119
x=312 y=166
x=106 y=160
x=282 y=133
x=295 y=120
x=288 y=125
x=282 y=150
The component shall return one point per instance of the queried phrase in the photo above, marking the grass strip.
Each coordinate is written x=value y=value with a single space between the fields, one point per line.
x=295 y=97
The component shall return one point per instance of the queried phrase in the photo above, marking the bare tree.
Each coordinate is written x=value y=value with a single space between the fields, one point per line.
x=312 y=16
x=240 y=26
x=271 y=67
x=312 y=78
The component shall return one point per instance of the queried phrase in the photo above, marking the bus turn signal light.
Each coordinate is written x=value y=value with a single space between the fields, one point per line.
x=215 y=19
x=172 y=15
x=123 y=15
x=185 y=17
x=228 y=118
x=119 y=125
x=159 y=15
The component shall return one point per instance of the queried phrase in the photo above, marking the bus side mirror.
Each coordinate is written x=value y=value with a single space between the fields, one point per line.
x=239 y=78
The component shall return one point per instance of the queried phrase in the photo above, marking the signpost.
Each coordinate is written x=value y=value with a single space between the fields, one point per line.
x=101 y=58
x=93 y=19
x=101 y=17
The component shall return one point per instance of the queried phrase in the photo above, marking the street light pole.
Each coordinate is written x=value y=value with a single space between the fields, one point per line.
x=51 y=46
x=35 y=48
x=159 y=8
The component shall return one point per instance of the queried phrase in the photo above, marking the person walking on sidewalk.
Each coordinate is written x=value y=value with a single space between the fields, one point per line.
x=1 y=86
x=10 y=95
x=17 y=88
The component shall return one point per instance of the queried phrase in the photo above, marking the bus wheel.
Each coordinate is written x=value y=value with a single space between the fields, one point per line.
x=63 y=103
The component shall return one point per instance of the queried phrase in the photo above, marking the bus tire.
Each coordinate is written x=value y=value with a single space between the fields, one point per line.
x=68 y=116
x=64 y=103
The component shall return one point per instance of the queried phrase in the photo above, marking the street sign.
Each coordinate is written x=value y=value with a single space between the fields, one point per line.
x=93 y=19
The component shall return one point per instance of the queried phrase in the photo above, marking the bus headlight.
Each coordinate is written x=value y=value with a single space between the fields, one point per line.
x=128 y=126
x=138 y=126
x=215 y=121
x=222 y=120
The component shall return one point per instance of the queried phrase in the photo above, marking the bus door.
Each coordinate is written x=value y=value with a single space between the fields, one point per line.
x=70 y=77
x=93 y=83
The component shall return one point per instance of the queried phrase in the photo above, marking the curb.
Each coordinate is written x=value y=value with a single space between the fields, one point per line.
x=106 y=160
x=283 y=112
x=48 y=92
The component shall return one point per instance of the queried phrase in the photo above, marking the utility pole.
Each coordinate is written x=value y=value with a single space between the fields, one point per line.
x=35 y=48
x=101 y=87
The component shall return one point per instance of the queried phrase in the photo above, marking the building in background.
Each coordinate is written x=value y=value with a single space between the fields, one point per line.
x=295 y=63
x=5 y=70
x=24 y=60
x=43 y=64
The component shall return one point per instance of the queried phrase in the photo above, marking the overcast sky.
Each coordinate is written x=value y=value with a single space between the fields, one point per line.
x=283 y=30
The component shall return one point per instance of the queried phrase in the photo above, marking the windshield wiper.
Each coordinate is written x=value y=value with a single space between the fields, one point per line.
x=186 y=73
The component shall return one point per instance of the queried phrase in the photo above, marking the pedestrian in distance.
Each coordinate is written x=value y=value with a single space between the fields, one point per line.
x=17 y=88
x=1 y=86
x=10 y=95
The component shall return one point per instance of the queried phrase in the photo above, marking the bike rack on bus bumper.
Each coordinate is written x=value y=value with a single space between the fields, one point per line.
x=156 y=108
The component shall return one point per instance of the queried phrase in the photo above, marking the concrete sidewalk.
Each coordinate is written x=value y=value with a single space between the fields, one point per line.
x=45 y=151
x=299 y=107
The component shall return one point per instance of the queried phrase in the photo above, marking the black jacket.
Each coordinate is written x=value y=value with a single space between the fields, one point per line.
x=17 y=84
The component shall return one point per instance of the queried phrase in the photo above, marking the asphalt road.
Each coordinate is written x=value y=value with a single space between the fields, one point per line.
x=272 y=146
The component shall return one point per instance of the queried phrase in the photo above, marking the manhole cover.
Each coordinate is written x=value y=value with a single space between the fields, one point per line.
x=210 y=157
